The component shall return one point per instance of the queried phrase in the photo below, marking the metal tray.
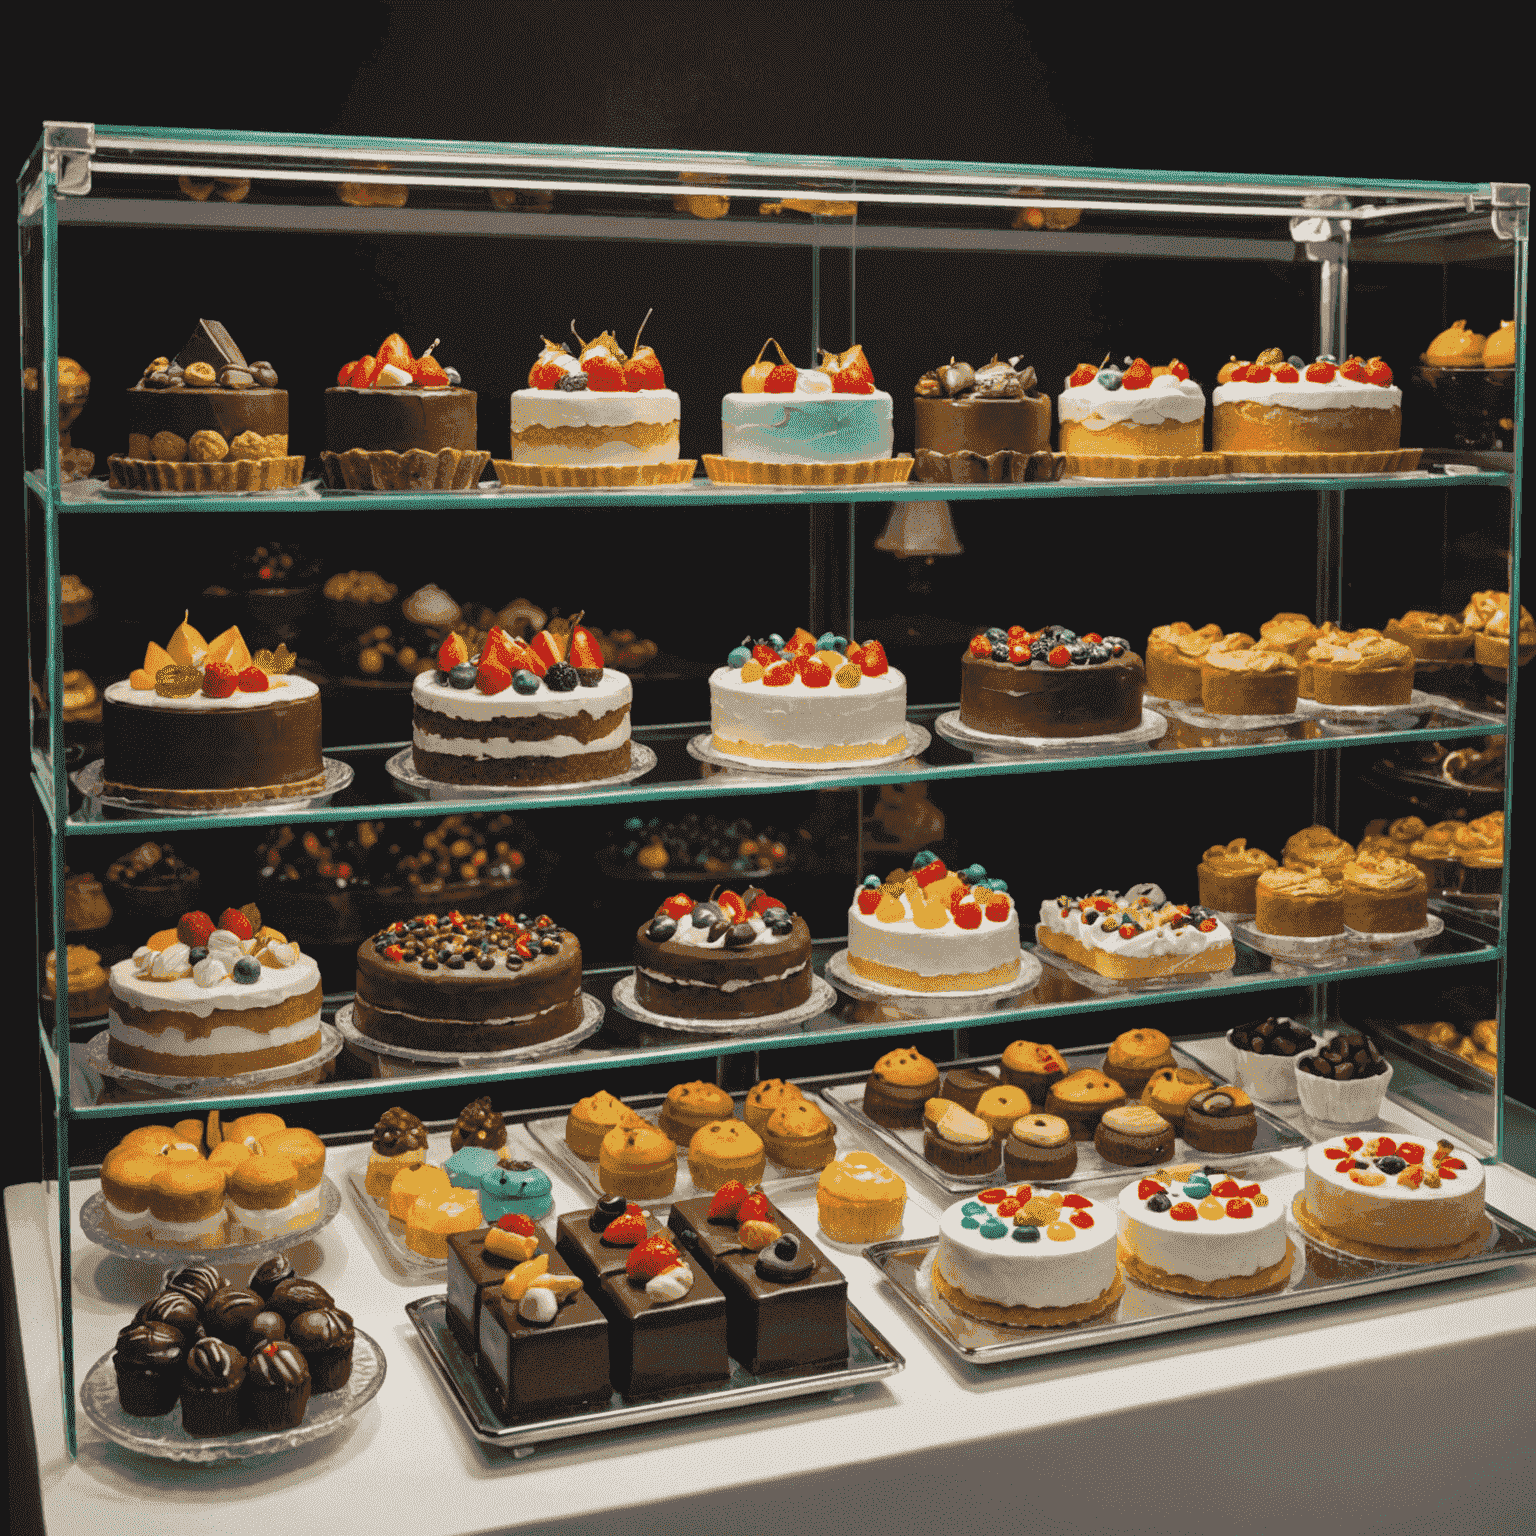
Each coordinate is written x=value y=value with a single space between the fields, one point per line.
x=1319 y=1276
x=907 y=1145
x=870 y=1357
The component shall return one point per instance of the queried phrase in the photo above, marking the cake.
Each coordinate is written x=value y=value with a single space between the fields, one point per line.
x=899 y=1087
x=903 y=931
x=1220 y=1120
x=1393 y=1198
x=1229 y=875
x=766 y=1098
x=965 y=1085
x=1200 y=1234
x=1357 y=667
x=1293 y=632
x=808 y=700
x=602 y=406
x=1080 y=1100
x=207 y=420
x=1430 y=636
x=1174 y=654
x=724 y=1150
x=478 y=1261
x=1487 y=616
x=1299 y=903
x=1134 y=1056
x=831 y=414
x=859 y=1199
x=1239 y=677
x=637 y=1162
x=1050 y=682
x=1132 y=937
x=1027 y=1259
x=1383 y=894
x=735 y=956
x=399 y=1142
x=1479 y=849
x=395 y=422
x=203 y=725
x=798 y=1137
x=237 y=998
x=1136 y=410
x=1280 y=405
x=471 y=983
x=1040 y=1148
x=976 y=423
x=521 y=713
x=592 y=1118
x=1318 y=848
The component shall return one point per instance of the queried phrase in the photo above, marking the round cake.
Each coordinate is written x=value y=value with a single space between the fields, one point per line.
x=1174 y=654
x=933 y=931
x=469 y=983
x=993 y=409
x=1203 y=1234
x=1357 y=667
x=736 y=956
x=1050 y=683
x=1030 y=1260
x=1134 y=936
x=1280 y=405
x=832 y=414
x=1136 y=410
x=808 y=700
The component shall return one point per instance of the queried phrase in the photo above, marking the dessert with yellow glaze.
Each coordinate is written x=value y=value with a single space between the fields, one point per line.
x=1039 y=1148
x=1299 y=903
x=1456 y=347
x=902 y=1081
x=639 y=1163
x=859 y=1199
x=1293 y=632
x=1430 y=636
x=1135 y=1055
x=1357 y=667
x=1170 y=1089
x=1383 y=894
x=798 y=1135
x=1317 y=848
x=725 y=1149
x=772 y=1094
x=1499 y=349
x=1001 y=1107
x=691 y=1106
x=592 y=1118
x=1032 y=1067
x=1081 y=1098
x=1229 y=873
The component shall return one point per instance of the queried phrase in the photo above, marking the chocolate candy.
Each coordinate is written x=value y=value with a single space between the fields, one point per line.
x=784 y=1262
x=608 y=1209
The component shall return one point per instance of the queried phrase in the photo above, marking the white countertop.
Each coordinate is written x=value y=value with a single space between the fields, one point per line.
x=1268 y=1424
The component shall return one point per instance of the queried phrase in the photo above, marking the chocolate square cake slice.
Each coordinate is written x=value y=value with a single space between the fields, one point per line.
x=471 y=1271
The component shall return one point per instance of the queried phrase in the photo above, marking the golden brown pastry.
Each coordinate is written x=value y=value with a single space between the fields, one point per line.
x=798 y=1135
x=1229 y=872
x=1498 y=350
x=639 y=1163
x=1000 y=1107
x=1174 y=652
x=1392 y=837
x=1456 y=347
x=1247 y=679
x=1435 y=854
x=1293 y=632
x=88 y=984
x=1358 y=667
x=723 y=1150
x=1032 y=1067
x=1168 y=1090
x=1383 y=894
x=1430 y=636
x=765 y=1097
x=592 y=1118
x=1488 y=615
x=1081 y=1098
x=1300 y=903
x=1317 y=848
x=690 y=1107
x=1134 y=1056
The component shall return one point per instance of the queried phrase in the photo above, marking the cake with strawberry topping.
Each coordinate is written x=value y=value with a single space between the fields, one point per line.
x=205 y=724
x=1134 y=410
x=1050 y=682
x=397 y=422
x=1135 y=936
x=1200 y=1233
x=214 y=999
x=1027 y=1258
x=1279 y=404
x=808 y=699
x=930 y=930
x=1397 y=1198
x=735 y=956
x=521 y=712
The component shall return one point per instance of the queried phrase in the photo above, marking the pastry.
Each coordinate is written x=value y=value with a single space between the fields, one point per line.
x=1434 y=853
x=859 y=1199
x=1134 y=1056
x=1430 y=636
x=175 y=1309
x=1356 y=668
x=956 y=1141
x=1498 y=350
x=267 y=1276
x=469 y=983
x=326 y=1337
x=736 y=956
x=723 y=1150
x=1081 y=1098
x=639 y=1163
x=1000 y=1107
x=808 y=699
x=799 y=1136
x=773 y=1093
x=1133 y=410
x=1220 y=1120
x=691 y=1106
x=277 y=1387
x=1229 y=874
x=1395 y=837
x=210 y=1388
x=1240 y=678
x=1291 y=632
x=1133 y=1135
x=1040 y=1149
x=830 y=414
x=431 y=1218
x=994 y=409
x=186 y=1205
x=412 y=1184
x=292 y=1296
x=199 y=1281
x=1032 y=1067
x=1456 y=347
x=1384 y=895
x=1479 y=849
x=1134 y=936
x=514 y=1188
x=1174 y=654
x=479 y=1125
x=1319 y=849
x=930 y=930
x=965 y=1085
x=399 y=1141
x=1301 y=903
x=229 y=1312
x=126 y=1175
x=1050 y=682
x=900 y=1085
x=1168 y=1091
x=148 y=1365
x=478 y=1262
x=86 y=979
x=264 y=1198
x=86 y=907
x=592 y=1118
x=1277 y=404
x=1487 y=615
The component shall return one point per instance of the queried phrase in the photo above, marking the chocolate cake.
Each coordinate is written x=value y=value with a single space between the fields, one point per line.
x=1050 y=683
x=472 y=1274
x=986 y=410
x=399 y=419
x=533 y=1367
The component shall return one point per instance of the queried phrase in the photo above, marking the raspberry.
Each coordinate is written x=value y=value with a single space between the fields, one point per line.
x=816 y=674
x=779 y=676
x=234 y=921
x=1285 y=374
x=1060 y=656
x=781 y=379
x=980 y=647
x=1377 y=372
x=218 y=680
x=872 y=662
x=492 y=677
x=252 y=680
x=967 y=915
x=605 y=374
x=653 y=1257
x=727 y=1199
x=868 y=901
x=1084 y=373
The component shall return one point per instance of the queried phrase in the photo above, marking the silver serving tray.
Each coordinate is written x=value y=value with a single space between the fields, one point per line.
x=907 y=1145
x=1319 y=1276
x=870 y=1357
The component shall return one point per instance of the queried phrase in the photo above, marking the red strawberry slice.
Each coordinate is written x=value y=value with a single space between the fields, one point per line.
x=1354 y=370
x=1444 y=1171
x=855 y=653
x=816 y=674
x=1286 y=374
x=727 y=1200
x=1022 y=1193
x=1137 y=376
x=515 y=1221
x=498 y=647
x=855 y=377
x=732 y=905
x=586 y=654
x=194 y=928
x=1346 y=1165
x=868 y=901
x=522 y=655
x=997 y=911
x=1059 y=656
x=394 y=350
x=1076 y=1202
x=1377 y=372
x=780 y=675
x=1384 y=1147
x=428 y=373
x=1149 y=1187
x=1410 y=1151
x=1247 y=1191
x=1226 y=1189
x=1336 y=1152
x=492 y=676
x=1084 y=373
x=1258 y=373
x=547 y=648
x=252 y=680
x=1179 y=370
x=781 y=379
x=1239 y=1210
x=625 y=1231
x=605 y=374
x=452 y=652
x=933 y=870
x=992 y=1196
x=1320 y=373
x=655 y=1256
x=393 y=952
x=966 y=914
x=1354 y=1143
x=872 y=662
x=1183 y=1211
x=754 y=1208
x=1450 y=1162
x=1010 y=1207
x=234 y=921
x=765 y=901
x=1081 y=1219
x=765 y=656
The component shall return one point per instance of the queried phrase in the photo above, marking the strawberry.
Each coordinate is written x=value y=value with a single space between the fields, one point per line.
x=1128 y=930
x=992 y=1196
x=1183 y=1211
x=1081 y=1219
x=586 y=654
x=1178 y=370
x=1354 y=1143
x=732 y=905
x=625 y=1231
x=428 y=373
x=514 y=1221
x=234 y=921
x=854 y=653
x=853 y=375
x=605 y=373
x=1093 y=637
x=1380 y=1146
x=344 y=377
x=980 y=647
x=218 y=680
x=727 y=1200
x=1239 y=374
x=872 y=662
x=1239 y=1210
x=1450 y=1162
x=1258 y=373
x=498 y=648
x=1149 y=1187
x=933 y=870
x=765 y=655
x=1337 y=1152
x=966 y=915
x=493 y=676
x=1353 y=370
x=364 y=371
x=1137 y=376
x=194 y=928
x=764 y=900
x=1226 y=1189
x=753 y=1208
x=1018 y=652
x=1410 y=1151
x=1377 y=372
x=1076 y=1202
x=1320 y=373
x=643 y=371
x=817 y=674
x=1022 y=1194
x=522 y=655
x=1412 y=1176
x=1286 y=374
x=780 y=379
x=1084 y=373
x=547 y=648
x=780 y=675
x=393 y=952
x=997 y=911
x=868 y=901
x=452 y=653
x=655 y=1256
x=394 y=350
x=802 y=642
x=678 y=906
x=1208 y=925
x=252 y=680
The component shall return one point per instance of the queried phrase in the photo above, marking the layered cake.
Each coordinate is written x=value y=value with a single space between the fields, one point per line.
x=205 y=724
x=1137 y=935
x=207 y=420
x=602 y=406
x=396 y=422
x=808 y=700
x=830 y=414
x=540 y=711
x=1134 y=410
x=208 y=999
x=1174 y=654
x=991 y=414
x=1395 y=1198
x=1026 y=1259
x=469 y=983
x=1357 y=667
x=1050 y=682
x=735 y=956
x=930 y=930
x=1277 y=404
x=1200 y=1234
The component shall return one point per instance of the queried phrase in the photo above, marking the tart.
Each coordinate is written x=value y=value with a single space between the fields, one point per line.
x=1299 y=903
x=1174 y=654
x=1488 y=616
x=1384 y=895
x=1229 y=874
x=1479 y=850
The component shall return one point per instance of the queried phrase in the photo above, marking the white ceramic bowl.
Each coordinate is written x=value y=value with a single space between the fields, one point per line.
x=1356 y=1102
x=1269 y=1078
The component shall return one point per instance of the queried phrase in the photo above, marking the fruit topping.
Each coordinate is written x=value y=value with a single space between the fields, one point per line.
x=754 y=1208
x=755 y=380
x=1084 y=373
x=727 y=1200
x=652 y=1257
x=1149 y=1187
x=757 y=1235
x=625 y=1231
x=850 y=371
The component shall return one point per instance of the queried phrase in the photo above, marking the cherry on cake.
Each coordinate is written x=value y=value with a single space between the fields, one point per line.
x=1050 y=682
x=1134 y=410
x=1135 y=936
x=1277 y=404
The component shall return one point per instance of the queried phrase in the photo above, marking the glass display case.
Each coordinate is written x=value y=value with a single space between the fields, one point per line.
x=835 y=242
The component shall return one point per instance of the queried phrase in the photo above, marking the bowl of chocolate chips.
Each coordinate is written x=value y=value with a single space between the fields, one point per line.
x=1265 y=1057
x=1344 y=1080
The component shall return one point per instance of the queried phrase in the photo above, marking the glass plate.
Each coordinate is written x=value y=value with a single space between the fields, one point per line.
x=95 y=1054
x=990 y=748
x=164 y=1437
x=97 y=1225
x=88 y=780
x=416 y=1266
x=1193 y=714
x=931 y=1005
x=99 y=490
x=414 y=786
x=1107 y=986
x=1432 y=928
x=1325 y=950
x=919 y=739
x=822 y=1000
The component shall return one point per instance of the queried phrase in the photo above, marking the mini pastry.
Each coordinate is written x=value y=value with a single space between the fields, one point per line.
x=965 y=1085
x=175 y=1309
x=1394 y=837
x=262 y=1123
x=228 y=1314
x=1359 y=667
x=1456 y=347
x=1229 y=872
x=1134 y=1056
x=798 y=1135
x=292 y=1296
x=515 y=1188
x=1300 y=903
x=148 y=1366
x=859 y=1199
x=1000 y=1107
x=199 y=1281
x=1040 y=1148
x=269 y=1275
x=1174 y=654
x=186 y=1204
x=1132 y=1136
x=277 y=1387
x=1033 y=1068
x=210 y=1390
x=479 y=1125
x=957 y=1141
x=264 y=1197
x=1499 y=349
x=767 y=1096
x=1490 y=644
x=1435 y=854
x=326 y=1337
x=409 y=1186
x=1384 y=895
x=1081 y=1098
x=1247 y=679
x=89 y=985
x=1220 y=1120
x=399 y=1141
x=1168 y=1090
x=1430 y=636
x=1317 y=848
x=902 y=1082
x=1291 y=632
x=724 y=1150
x=1479 y=849
x=126 y=1175
x=692 y=1106
x=306 y=1152
x=639 y=1163
x=434 y=1217
x=592 y=1118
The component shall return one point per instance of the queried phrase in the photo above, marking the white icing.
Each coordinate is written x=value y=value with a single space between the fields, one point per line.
x=221 y=1040
x=1204 y=1250
x=600 y=409
x=1326 y=1170
x=538 y=1305
x=186 y=996
x=503 y=747
x=171 y=963
x=1038 y=1274
x=944 y=951
x=810 y=718
x=1166 y=399
x=1338 y=393
x=735 y=985
x=262 y=1222
x=516 y=1018
x=611 y=691
x=162 y=1231
x=129 y=1221
x=1162 y=940
x=803 y=428
x=210 y=971
x=671 y=1284
x=292 y=689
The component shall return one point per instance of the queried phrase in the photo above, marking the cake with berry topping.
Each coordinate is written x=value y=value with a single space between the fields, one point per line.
x=808 y=700
x=735 y=956
x=1277 y=404
x=1395 y=1198
x=1135 y=410
x=396 y=422
x=1203 y=1234
x=1028 y=1259
x=469 y=983
x=1050 y=682
x=1135 y=936
x=930 y=930
x=204 y=724
x=208 y=999
x=521 y=712
x=207 y=420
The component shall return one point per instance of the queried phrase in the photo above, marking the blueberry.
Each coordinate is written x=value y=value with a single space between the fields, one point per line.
x=246 y=971
x=705 y=913
x=462 y=676
x=562 y=678
x=661 y=928
x=739 y=657
x=927 y=856
x=1109 y=378
x=1099 y=654
x=196 y=953
x=776 y=641
x=1295 y=362
x=1078 y=652
x=998 y=885
x=571 y=382
x=524 y=681
x=779 y=926
x=872 y=882
x=1063 y=634
x=1026 y=1234
x=840 y=644
x=995 y=634
x=1391 y=1164
x=999 y=650
x=1159 y=1203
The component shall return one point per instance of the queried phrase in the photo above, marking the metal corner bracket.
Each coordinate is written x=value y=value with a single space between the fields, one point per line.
x=67 y=149
x=1511 y=215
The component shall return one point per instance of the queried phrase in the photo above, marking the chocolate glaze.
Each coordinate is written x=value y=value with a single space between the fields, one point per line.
x=984 y=426
x=150 y=1347
x=754 y=963
x=270 y=1275
x=399 y=419
x=658 y=1346
x=471 y=1272
x=229 y=412
x=529 y=1368
x=176 y=1309
x=1042 y=700
x=278 y=1366
x=199 y=1281
x=212 y=1363
x=292 y=1297
x=228 y=1313
x=965 y=1085
x=586 y=1252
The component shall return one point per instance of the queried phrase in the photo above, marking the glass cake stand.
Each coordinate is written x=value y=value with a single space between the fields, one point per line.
x=1373 y=717
x=930 y=1004
x=89 y=779
x=919 y=739
x=1193 y=714
x=987 y=747
x=822 y=1000
x=415 y=786
x=160 y=1085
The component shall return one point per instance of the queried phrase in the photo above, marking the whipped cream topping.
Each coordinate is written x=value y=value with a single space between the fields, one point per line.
x=134 y=982
x=1145 y=907
x=1165 y=399
x=612 y=690
x=934 y=951
x=1337 y=394
x=285 y=689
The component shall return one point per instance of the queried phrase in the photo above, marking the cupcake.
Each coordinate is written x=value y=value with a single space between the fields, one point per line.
x=956 y=1141
x=1000 y=1106
x=1133 y=1136
x=859 y=1199
x=1081 y=1098
x=266 y=1327
x=965 y=1085
x=148 y=1364
x=639 y=1163
x=724 y=1150
x=1317 y=848
x=692 y=1106
x=1133 y=1057
x=479 y=1125
x=1039 y=1148
x=1229 y=872
x=798 y=1135
x=227 y=1314
x=210 y=1389
x=771 y=1094
x=903 y=1081
x=199 y=1281
x=269 y=1275
x=399 y=1142
x=592 y=1118
x=1034 y=1068
x=174 y=1309
x=325 y=1336
x=277 y=1387
x=1168 y=1090
x=293 y=1296
x=1220 y=1120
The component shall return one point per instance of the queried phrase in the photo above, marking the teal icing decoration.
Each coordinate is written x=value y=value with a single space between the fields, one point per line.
x=920 y=859
x=994 y=1228
x=970 y=1223
x=973 y=1208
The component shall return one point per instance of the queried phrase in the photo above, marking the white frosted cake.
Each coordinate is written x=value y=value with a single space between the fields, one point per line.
x=554 y=426
x=1319 y=407
x=1164 y=418
x=1137 y=935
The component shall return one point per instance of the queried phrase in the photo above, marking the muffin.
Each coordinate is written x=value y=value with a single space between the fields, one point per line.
x=1174 y=653
x=148 y=1364
x=1000 y=1107
x=89 y=988
x=765 y=1097
x=965 y=1085
x=1081 y=1098
x=859 y=1199
x=227 y=1314
x=1317 y=848
x=1383 y=894
x=1168 y=1090
x=722 y=1150
x=1220 y=1120
x=1299 y=903
x=325 y=1336
x=1291 y=632
x=186 y=1204
x=210 y=1389
x=479 y=1125
x=692 y=1106
x=1133 y=1136
x=399 y=1141
x=592 y=1118
x=956 y=1141
x=199 y=1281
x=1229 y=872
x=902 y=1082
x=1434 y=854
x=1039 y=1148
x=277 y=1387
x=1134 y=1056
x=798 y=1135
x=1033 y=1068
x=638 y=1162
